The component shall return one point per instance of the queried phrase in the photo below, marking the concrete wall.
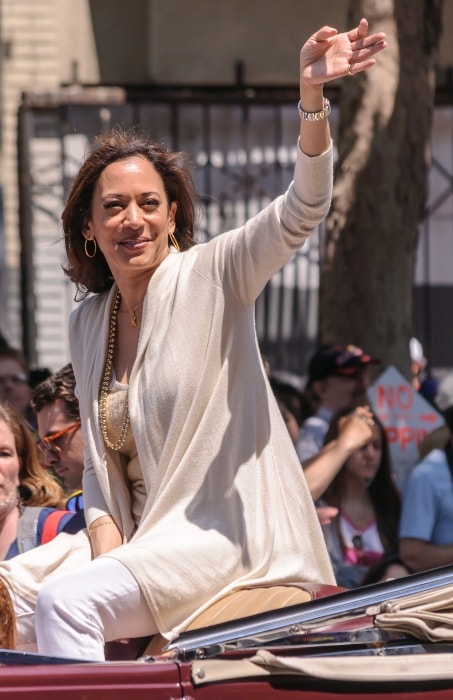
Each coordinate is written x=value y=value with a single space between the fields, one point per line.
x=30 y=57
x=208 y=38
x=40 y=42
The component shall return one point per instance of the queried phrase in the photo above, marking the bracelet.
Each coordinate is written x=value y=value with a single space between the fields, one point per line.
x=104 y=522
x=315 y=116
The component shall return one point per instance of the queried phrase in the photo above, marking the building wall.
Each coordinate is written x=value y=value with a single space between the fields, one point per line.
x=40 y=42
x=209 y=38
x=30 y=57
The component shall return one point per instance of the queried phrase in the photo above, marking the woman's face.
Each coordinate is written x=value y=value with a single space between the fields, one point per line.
x=364 y=463
x=131 y=216
x=9 y=469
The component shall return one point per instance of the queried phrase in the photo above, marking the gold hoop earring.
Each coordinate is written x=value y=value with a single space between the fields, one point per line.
x=95 y=247
x=173 y=240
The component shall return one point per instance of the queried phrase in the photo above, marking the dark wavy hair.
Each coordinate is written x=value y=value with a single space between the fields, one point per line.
x=384 y=495
x=93 y=274
x=60 y=385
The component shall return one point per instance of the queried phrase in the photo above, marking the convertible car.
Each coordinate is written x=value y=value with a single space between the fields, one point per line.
x=392 y=640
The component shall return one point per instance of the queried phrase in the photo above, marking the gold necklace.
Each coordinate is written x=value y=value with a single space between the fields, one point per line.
x=133 y=314
x=105 y=385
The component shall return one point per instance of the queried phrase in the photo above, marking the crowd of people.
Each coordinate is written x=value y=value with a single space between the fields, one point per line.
x=373 y=531
x=35 y=503
x=186 y=449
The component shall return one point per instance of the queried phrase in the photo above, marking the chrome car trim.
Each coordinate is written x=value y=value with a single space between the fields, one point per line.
x=296 y=619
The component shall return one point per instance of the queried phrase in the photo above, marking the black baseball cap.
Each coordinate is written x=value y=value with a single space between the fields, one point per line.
x=337 y=360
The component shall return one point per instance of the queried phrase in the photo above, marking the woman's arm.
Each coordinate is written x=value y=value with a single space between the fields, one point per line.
x=265 y=243
x=84 y=324
x=328 y=56
x=104 y=535
x=420 y=555
x=355 y=432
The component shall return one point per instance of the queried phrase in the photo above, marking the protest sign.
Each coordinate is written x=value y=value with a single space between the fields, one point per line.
x=406 y=416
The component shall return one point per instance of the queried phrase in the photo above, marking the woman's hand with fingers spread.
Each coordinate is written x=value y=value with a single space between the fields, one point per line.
x=328 y=55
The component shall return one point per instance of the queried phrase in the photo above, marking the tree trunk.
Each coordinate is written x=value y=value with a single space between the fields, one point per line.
x=380 y=184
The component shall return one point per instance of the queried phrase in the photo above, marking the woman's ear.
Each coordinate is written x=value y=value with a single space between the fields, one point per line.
x=87 y=232
x=172 y=215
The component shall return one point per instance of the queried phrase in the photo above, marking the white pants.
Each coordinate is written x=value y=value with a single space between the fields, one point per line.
x=77 y=612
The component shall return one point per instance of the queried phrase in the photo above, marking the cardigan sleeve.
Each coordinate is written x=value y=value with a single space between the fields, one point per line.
x=245 y=258
x=84 y=337
x=307 y=200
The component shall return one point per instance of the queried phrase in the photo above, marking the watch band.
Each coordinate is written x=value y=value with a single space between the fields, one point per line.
x=315 y=116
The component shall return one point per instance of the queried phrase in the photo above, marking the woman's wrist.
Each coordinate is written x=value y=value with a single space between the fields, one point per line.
x=314 y=134
x=100 y=522
x=104 y=536
x=317 y=115
x=311 y=97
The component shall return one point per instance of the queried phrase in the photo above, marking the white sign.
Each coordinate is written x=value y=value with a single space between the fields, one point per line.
x=406 y=416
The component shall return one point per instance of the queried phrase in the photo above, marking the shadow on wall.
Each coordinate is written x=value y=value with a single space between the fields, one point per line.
x=130 y=60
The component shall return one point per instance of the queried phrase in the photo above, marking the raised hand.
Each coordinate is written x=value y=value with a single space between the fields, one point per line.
x=327 y=55
x=355 y=429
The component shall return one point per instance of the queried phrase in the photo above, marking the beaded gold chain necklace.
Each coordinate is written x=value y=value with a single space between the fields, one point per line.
x=107 y=378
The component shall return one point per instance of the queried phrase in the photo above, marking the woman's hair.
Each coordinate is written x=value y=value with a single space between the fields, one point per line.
x=293 y=399
x=7 y=618
x=93 y=274
x=384 y=495
x=36 y=486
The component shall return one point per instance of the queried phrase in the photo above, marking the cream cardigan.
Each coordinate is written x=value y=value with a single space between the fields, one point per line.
x=227 y=503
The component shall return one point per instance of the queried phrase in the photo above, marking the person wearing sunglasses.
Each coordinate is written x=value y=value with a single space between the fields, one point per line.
x=60 y=437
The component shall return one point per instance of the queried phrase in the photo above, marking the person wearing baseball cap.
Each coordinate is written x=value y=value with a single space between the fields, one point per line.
x=337 y=379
